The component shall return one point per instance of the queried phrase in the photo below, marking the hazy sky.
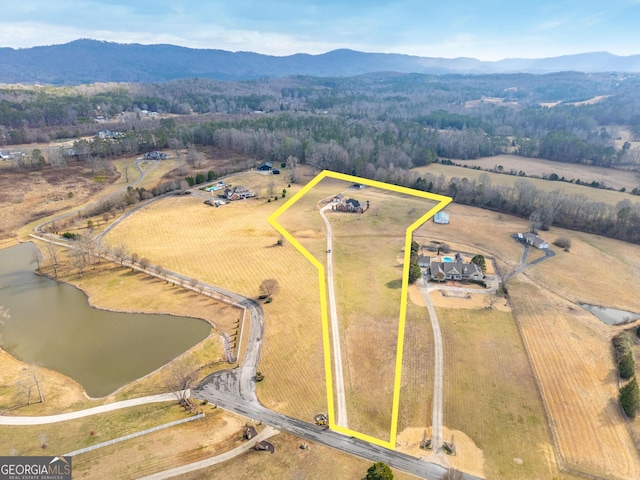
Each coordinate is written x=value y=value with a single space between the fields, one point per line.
x=484 y=29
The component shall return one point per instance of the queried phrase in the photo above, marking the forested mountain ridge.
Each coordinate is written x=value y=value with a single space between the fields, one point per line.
x=89 y=61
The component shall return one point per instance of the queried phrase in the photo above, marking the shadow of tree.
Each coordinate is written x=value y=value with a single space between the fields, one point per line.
x=395 y=284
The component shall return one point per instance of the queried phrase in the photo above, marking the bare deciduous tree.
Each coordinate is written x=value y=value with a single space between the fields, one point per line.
x=135 y=258
x=144 y=263
x=52 y=253
x=36 y=258
x=4 y=315
x=181 y=377
x=120 y=252
x=79 y=259
x=269 y=287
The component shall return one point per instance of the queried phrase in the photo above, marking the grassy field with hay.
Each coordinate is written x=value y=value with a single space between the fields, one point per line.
x=539 y=167
x=610 y=197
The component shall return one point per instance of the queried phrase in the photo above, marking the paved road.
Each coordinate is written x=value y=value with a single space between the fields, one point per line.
x=324 y=436
x=341 y=402
x=438 y=371
x=223 y=457
x=109 y=407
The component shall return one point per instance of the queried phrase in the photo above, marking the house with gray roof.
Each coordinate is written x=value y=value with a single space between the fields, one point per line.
x=533 y=240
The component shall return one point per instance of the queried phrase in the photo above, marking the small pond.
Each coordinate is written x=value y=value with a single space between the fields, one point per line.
x=611 y=316
x=52 y=325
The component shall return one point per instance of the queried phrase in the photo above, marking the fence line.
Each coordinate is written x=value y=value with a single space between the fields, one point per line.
x=134 y=435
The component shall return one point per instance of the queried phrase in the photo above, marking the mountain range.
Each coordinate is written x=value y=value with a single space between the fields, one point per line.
x=88 y=61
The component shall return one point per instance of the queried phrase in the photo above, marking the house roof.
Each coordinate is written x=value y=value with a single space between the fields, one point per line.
x=534 y=240
x=451 y=268
x=354 y=202
x=265 y=164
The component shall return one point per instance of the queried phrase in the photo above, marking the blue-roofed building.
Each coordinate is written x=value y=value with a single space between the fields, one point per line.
x=441 y=217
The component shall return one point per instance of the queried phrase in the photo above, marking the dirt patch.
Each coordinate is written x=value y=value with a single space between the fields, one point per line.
x=469 y=457
x=474 y=301
x=415 y=296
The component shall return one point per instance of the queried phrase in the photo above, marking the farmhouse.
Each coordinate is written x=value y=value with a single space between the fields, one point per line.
x=238 y=193
x=451 y=268
x=265 y=166
x=351 y=205
x=533 y=240
x=109 y=134
x=155 y=155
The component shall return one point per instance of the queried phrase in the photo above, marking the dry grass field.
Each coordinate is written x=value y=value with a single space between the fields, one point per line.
x=218 y=432
x=233 y=246
x=570 y=349
x=490 y=393
x=572 y=357
x=612 y=178
x=368 y=292
x=290 y=462
x=610 y=197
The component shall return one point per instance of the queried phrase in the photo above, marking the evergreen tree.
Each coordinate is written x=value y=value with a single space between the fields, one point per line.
x=379 y=471
x=626 y=365
x=630 y=398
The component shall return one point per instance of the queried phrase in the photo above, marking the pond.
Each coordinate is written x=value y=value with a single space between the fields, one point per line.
x=52 y=324
x=611 y=316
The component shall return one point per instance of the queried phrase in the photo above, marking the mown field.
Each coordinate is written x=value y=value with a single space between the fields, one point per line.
x=572 y=358
x=233 y=246
x=368 y=291
x=610 y=197
x=612 y=178
x=490 y=393
x=570 y=350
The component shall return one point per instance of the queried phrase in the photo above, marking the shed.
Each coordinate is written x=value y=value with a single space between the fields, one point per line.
x=265 y=166
x=441 y=217
x=534 y=240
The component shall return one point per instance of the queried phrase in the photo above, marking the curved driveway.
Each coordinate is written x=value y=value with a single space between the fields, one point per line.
x=341 y=410
x=109 y=407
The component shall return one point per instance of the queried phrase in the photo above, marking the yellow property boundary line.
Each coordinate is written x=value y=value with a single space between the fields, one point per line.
x=442 y=202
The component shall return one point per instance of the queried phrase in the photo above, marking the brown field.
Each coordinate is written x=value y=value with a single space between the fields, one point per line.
x=572 y=358
x=233 y=246
x=218 y=432
x=290 y=462
x=368 y=292
x=490 y=393
x=610 y=197
x=562 y=340
x=416 y=391
x=612 y=178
